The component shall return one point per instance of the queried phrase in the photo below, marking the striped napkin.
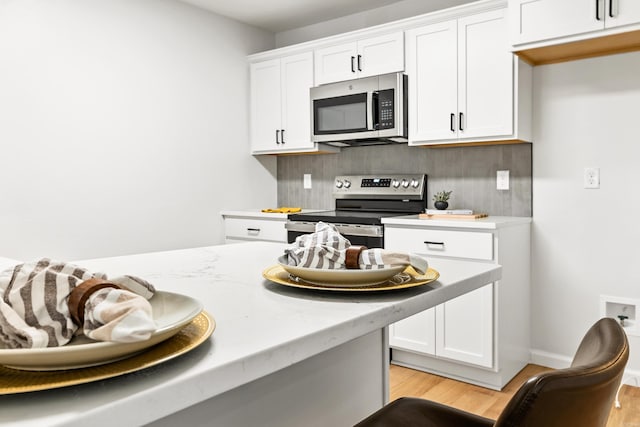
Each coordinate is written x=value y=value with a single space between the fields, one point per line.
x=34 y=306
x=327 y=248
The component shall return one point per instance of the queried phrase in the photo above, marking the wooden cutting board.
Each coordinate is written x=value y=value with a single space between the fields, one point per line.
x=452 y=216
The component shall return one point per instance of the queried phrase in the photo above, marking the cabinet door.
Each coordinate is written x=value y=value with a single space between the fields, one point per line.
x=415 y=333
x=485 y=76
x=464 y=328
x=380 y=55
x=432 y=72
x=622 y=12
x=265 y=105
x=335 y=63
x=537 y=20
x=296 y=80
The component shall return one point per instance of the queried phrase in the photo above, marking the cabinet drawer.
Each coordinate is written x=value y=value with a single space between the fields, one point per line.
x=255 y=229
x=460 y=244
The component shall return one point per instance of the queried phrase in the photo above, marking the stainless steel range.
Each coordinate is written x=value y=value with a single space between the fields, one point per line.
x=361 y=201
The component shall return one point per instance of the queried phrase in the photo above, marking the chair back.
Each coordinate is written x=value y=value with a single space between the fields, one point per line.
x=581 y=395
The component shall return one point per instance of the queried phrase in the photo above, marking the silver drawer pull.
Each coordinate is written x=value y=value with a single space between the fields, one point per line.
x=427 y=242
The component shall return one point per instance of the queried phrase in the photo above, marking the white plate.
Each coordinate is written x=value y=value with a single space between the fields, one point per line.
x=171 y=312
x=339 y=277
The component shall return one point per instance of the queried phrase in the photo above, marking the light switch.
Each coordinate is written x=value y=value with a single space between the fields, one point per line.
x=307 y=181
x=502 y=180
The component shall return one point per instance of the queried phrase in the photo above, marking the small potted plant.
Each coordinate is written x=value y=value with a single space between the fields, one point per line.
x=441 y=199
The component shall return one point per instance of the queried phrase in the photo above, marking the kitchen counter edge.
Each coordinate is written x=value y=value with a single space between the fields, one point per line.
x=488 y=223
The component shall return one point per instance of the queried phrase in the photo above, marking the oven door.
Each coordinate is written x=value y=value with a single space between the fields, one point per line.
x=371 y=236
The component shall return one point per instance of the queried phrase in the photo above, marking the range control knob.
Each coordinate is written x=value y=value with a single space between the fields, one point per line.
x=338 y=183
x=347 y=183
x=395 y=183
x=415 y=183
x=405 y=183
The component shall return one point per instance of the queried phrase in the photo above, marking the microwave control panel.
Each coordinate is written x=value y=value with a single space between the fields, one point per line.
x=385 y=109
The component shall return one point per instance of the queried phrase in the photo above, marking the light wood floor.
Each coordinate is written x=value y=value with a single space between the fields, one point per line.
x=489 y=403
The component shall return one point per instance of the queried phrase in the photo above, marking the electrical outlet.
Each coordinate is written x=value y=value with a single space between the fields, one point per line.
x=307 y=181
x=622 y=309
x=502 y=180
x=591 y=178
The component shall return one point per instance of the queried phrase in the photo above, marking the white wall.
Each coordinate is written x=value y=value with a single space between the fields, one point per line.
x=400 y=10
x=123 y=127
x=585 y=241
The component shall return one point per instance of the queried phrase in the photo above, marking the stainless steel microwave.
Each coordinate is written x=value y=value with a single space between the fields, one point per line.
x=366 y=111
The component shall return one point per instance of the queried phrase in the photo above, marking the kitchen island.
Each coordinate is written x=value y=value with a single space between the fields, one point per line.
x=279 y=356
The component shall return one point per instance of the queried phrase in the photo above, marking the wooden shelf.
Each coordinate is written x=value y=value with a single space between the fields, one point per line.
x=600 y=46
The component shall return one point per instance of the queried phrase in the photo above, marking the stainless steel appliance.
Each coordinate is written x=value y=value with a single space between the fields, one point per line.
x=361 y=201
x=366 y=111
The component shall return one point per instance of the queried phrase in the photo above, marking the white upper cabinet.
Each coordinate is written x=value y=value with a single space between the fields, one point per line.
x=622 y=12
x=432 y=69
x=464 y=83
x=363 y=58
x=280 y=112
x=296 y=78
x=465 y=86
x=537 y=20
x=550 y=31
x=266 y=101
x=545 y=19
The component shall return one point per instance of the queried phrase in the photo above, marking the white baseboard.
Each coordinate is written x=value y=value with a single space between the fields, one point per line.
x=558 y=361
x=550 y=360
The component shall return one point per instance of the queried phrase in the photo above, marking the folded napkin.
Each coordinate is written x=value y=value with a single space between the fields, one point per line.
x=45 y=303
x=282 y=210
x=327 y=248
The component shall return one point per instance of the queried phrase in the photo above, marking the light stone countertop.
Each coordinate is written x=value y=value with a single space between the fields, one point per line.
x=257 y=213
x=488 y=223
x=262 y=327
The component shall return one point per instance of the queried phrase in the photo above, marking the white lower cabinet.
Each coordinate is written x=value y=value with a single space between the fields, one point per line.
x=242 y=227
x=464 y=328
x=437 y=331
x=481 y=337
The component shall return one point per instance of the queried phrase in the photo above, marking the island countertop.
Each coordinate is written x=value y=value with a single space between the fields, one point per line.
x=262 y=328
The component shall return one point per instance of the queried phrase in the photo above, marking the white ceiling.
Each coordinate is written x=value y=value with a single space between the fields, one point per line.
x=282 y=15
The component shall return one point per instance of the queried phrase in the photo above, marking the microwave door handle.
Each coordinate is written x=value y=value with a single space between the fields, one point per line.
x=370 y=112
x=375 y=109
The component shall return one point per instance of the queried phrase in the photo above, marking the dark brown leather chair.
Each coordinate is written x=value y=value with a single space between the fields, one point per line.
x=581 y=395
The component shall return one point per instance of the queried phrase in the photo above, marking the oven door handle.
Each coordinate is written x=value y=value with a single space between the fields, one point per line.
x=360 y=230
x=344 y=229
x=300 y=226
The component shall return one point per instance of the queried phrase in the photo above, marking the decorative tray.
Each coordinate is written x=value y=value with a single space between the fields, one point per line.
x=14 y=381
x=409 y=278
